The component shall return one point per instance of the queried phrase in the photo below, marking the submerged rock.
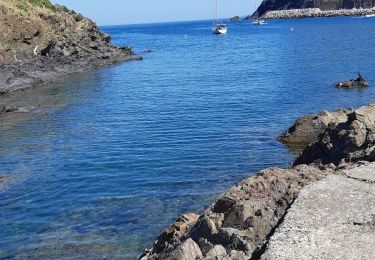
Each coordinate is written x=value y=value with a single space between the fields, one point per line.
x=4 y=179
x=4 y=109
x=237 y=224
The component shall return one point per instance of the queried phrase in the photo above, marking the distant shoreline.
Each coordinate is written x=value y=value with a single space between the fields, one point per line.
x=315 y=12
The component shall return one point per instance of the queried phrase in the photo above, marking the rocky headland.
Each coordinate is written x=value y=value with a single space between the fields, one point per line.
x=41 y=42
x=313 y=210
x=316 y=12
x=281 y=9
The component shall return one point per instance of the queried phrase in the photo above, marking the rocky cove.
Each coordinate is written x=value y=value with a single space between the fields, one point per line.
x=260 y=217
x=265 y=217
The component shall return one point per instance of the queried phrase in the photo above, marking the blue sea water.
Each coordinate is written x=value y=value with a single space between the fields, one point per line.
x=113 y=156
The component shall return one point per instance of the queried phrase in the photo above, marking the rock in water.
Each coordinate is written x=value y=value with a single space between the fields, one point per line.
x=235 y=18
x=360 y=82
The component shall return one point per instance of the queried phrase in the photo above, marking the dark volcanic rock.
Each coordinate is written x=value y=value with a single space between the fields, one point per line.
x=237 y=224
x=274 y=5
x=359 y=82
x=349 y=141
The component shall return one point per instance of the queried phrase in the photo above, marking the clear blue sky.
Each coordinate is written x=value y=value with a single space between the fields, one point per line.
x=148 y=11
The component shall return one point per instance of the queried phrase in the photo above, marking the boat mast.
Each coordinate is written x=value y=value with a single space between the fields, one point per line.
x=215 y=13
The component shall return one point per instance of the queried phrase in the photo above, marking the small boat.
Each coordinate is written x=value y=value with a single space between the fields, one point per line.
x=370 y=15
x=218 y=28
x=259 y=22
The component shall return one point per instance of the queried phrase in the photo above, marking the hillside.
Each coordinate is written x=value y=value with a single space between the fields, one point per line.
x=40 y=41
x=274 y=5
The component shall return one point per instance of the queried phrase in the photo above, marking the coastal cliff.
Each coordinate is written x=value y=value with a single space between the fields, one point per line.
x=323 y=5
x=40 y=42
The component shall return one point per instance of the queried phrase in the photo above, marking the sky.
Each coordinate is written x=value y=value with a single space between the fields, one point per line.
x=115 y=12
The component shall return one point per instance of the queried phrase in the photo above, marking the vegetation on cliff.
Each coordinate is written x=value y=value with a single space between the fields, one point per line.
x=40 y=41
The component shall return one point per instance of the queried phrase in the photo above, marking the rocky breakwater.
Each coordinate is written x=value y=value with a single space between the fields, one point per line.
x=316 y=12
x=41 y=42
x=277 y=9
x=239 y=223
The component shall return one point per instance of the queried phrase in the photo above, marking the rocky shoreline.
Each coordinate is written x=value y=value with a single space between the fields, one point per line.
x=248 y=220
x=237 y=225
x=43 y=44
x=316 y=12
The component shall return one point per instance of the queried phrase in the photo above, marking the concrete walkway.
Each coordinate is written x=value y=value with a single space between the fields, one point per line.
x=331 y=219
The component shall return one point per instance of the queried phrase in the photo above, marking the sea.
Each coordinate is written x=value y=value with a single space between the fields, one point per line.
x=108 y=158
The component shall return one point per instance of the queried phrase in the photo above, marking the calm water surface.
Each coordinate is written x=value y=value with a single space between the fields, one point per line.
x=113 y=156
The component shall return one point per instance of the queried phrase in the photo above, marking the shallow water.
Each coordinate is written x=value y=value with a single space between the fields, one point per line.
x=109 y=158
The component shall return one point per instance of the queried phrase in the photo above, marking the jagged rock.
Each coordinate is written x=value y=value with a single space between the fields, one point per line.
x=172 y=234
x=48 y=49
x=187 y=250
x=349 y=141
x=307 y=129
x=359 y=82
x=241 y=219
x=204 y=228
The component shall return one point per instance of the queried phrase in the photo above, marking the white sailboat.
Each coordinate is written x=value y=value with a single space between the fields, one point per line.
x=218 y=28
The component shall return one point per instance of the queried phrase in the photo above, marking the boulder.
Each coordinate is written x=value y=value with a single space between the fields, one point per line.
x=307 y=129
x=350 y=141
x=172 y=234
x=187 y=250
x=216 y=253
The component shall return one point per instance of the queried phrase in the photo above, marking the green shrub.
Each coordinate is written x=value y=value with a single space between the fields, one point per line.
x=23 y=6
x=66 y=9
x=42 y=3
x=78 y=17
